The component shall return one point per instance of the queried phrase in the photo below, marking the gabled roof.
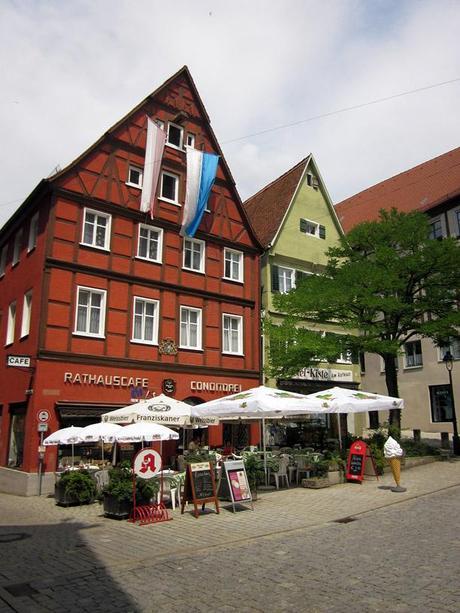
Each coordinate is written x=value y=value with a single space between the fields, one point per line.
x=268 y=207
x=419 y=188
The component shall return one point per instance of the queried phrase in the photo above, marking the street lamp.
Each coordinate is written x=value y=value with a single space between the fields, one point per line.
x=448 y=360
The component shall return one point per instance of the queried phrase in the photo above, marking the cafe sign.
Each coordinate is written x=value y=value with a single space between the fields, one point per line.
x=84 y=378
x=324 y=374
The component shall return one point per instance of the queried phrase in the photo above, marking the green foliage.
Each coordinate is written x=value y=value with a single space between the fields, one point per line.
x=382 y=280
x=415 y=448
x=79 y=485
x=254 y=469
x=200 y=455
x=120 y=484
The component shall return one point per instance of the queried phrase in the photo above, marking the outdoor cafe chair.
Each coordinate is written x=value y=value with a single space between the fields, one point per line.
x=281 y=473
x=303 y=466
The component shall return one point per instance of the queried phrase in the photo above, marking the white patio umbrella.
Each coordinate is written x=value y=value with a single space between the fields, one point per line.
x=99 y=432
x=344 y=400
x=64 y=436
x=260 y=403
x=161 y=410
x=144 y=431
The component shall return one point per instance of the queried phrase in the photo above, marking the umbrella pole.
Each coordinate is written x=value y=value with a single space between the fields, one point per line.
x=161 y=477
x=114 y=454
x=339 y=426
x=73 y=457
x=102 y=449
x=265 y=451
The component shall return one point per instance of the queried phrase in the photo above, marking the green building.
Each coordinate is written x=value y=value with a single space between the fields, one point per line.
x=295 y=221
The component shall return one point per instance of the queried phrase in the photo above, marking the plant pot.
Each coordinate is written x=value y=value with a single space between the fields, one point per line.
x=316 y=483
x=116 y=508
x=66 y=500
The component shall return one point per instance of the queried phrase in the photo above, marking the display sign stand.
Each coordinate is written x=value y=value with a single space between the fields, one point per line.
x=199 y=487
x=237 y=483
x=357 y=456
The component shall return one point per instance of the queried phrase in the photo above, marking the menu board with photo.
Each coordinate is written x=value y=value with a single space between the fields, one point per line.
x=238 y=484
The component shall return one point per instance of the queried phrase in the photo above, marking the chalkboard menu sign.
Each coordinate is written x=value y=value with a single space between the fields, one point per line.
x=200 y=486
x=355 y=464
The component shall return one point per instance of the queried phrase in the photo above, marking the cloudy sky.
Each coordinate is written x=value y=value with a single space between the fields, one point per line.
x=71 y=69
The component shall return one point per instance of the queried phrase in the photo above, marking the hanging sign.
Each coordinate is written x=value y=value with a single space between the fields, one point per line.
x=200 y=486
x=147 y=463
x=237 y=480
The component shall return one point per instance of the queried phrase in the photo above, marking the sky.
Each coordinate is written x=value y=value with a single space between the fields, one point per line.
x=70 y=70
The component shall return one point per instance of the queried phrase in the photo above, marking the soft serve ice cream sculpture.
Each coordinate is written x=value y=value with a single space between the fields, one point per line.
x=393 y=452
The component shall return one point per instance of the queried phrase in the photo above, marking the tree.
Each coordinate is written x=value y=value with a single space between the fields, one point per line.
x=385 y=283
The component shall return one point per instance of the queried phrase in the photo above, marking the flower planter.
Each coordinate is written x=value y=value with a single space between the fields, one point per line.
x=335 y=477
x=113 y=507
x=316 y=483
x=66 y=500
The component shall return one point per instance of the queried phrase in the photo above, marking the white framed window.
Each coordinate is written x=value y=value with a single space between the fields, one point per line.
x=194 y=254
x=3 y=255
x=135 y=175
x=413 y=354
x=17 y=247
x=26 y=314
x=145 y=321
x=150 y=243
x=435 y=229
x=33 y=233
x=190 y=328
x=190 y=140
x=312 y=228
x=286 y=279
x=232 y=334
x=90 y=312
x=96 y=229
x=233 y=265
x=453 y=347
x=169 y=187
x=175 y=136
x=11 y=323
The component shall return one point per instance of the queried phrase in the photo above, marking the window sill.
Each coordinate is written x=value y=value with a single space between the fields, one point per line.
x=181 y=149
x=139 y=257
x=163 y=199
x=200 y=272
x=133 y=185
x=190 y=348
x=106 y=249
x=416 y=367
x=137 y=341
x=85 y=335
x=238 y=355
x=239 y=281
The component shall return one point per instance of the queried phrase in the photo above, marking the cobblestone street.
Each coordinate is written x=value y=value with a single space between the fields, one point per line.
x=399 y=552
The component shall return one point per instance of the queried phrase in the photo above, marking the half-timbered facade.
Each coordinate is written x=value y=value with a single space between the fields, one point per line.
x=107 y=303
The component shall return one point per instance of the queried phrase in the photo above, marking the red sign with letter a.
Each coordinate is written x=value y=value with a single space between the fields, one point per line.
x=356 y=461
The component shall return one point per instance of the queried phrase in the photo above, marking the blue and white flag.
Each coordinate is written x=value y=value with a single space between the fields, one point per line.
x=201 y=173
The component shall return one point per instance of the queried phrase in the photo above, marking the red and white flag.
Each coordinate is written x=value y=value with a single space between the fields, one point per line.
x=156 y=138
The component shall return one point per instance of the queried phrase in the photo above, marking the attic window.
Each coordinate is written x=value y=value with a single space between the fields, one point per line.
x=134 y=176
x=312 y=181
x=312 y=228
x=175 y=135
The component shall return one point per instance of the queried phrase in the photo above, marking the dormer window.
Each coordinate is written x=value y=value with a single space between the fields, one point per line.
x=175 y=136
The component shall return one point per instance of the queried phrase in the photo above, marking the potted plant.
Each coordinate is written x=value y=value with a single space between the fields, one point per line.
x=319 y=479
x=118 y=493
x=75 y=487
x=255 y=472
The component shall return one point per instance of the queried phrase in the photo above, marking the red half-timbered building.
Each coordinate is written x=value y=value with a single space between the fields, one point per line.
x=100 y=302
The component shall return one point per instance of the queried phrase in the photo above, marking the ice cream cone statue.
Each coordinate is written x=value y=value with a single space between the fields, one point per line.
x=393 y=452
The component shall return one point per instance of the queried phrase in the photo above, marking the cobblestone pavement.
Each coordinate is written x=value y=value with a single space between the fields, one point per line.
x=401 y=553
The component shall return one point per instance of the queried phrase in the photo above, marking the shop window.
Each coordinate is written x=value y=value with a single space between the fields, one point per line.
x=16 y=437
x=96 y=229
x=441 y=403
x=190 y=328
x=150 y=244
x=233 y=265
x=232 y=334
x=194 y=254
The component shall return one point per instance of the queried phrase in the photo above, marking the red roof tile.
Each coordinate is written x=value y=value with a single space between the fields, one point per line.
x=266 y=209
x=419 y=188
